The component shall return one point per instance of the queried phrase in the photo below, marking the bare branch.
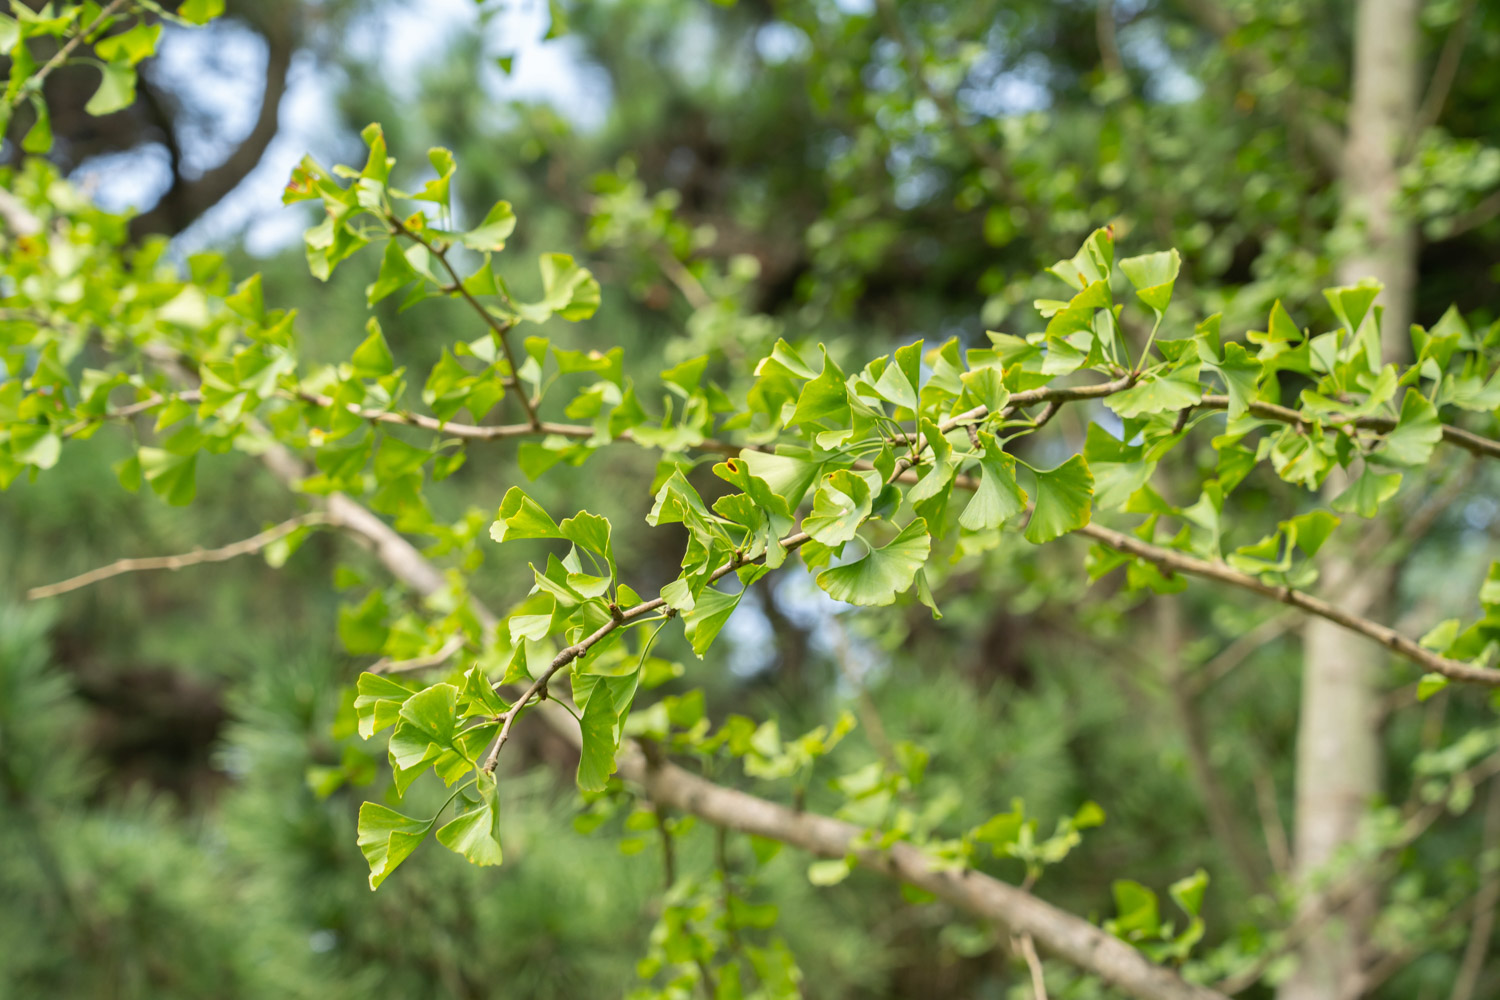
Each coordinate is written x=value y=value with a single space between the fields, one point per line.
x=1487 y=210
x=1223 y=819
x=194 y=558
x=1485 y=903
x=188 y=198
x=1027 y=948
x=1179 y=562
x=443 y=654
x=1443 y=73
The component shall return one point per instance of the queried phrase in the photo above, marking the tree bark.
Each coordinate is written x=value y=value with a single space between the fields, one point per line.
x=1338 y=741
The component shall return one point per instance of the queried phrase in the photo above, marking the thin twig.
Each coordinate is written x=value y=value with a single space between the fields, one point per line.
x=34 y=84
x=864 y=705
x=1104 y=33
x=1179 y=562
x=1238 y=651
x=1217 y=804
x=1027 y=948
x=1354 y=883
x=501 y=330
x=1485 y=902
x=1443 y=74
x=1467 y=440
x=241 y=548
x=686 y=281
x=436 y=659
x=1277 y=844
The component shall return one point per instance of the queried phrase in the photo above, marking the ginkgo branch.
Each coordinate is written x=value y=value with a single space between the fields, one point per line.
x=34 y=83
x=501 y=330
x=245 y=547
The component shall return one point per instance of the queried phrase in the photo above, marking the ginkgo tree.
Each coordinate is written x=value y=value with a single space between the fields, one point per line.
x=874 y=476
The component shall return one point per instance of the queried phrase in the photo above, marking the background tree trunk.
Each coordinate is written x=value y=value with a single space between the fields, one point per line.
x=1338 y=742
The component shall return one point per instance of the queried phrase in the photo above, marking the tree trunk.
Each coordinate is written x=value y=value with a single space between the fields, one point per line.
x=1338 y=743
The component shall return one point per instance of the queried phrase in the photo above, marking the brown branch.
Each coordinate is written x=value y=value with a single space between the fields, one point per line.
x=1071 y=938
x=1027 y=948
x=187 y=199
x=1179 y=562
x=1467 y=440
x=194 y=558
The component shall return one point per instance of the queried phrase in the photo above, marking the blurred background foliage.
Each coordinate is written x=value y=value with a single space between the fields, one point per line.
x=852 y=172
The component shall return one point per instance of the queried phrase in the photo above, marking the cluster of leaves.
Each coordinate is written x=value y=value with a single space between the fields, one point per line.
x=38 y=40
x=867 y=476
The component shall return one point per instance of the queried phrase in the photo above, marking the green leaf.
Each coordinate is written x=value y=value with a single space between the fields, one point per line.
x=492 y=232
x=38 y=138
x=1175 y=390
x=568 y=290
x=1429 y=685
x=882 y=573
x=476 y=833
x=1062 y=500
x=378 y=702
x=116 y=90
x=710 y=612
x=395 y=274
x=1240 y=372
x=985 y=387
x=1365 y=495
x=387 y=838
x=129 y=47
x=522 y=517
x=1119 y=469
x=426 y=726
x=826 y=873
x=1309 y=531
x=592 y=532
x=200 y=11
x=1188 y=892
x=1153 y=276
x=601 y=729
x=823 y=400
x=998 y=497
x=898 y=383
x=788 y=476
x=1352 y=302
x=372 y=358
x=840 y=506
x=437 y=189
x=1138 y=913
x=172 y=477
x=1415 y=435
